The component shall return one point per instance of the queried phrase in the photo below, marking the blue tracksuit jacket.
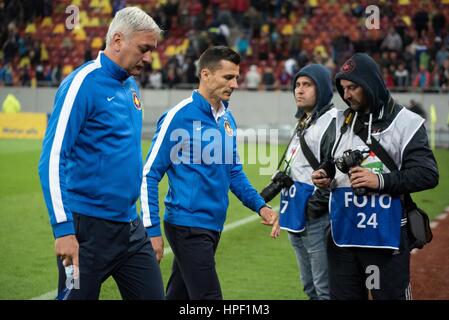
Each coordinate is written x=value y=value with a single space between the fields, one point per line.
x=91 y=161
x=199 y=155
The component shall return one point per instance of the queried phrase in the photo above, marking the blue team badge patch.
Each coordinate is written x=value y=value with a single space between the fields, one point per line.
x=228 y=128
x=136 y=101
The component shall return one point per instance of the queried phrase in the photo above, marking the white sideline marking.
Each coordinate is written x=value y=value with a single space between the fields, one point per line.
x=46 y=296
x=167 y=250
x=433 y=224
x=442 y=216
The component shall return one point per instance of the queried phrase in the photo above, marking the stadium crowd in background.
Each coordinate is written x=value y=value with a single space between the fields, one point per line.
x=277 y=37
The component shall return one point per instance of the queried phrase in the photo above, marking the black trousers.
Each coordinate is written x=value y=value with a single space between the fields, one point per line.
x=352 y=271
x=120 y=250
x=193 y=272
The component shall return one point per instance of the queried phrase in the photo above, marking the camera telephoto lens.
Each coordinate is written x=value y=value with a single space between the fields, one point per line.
x=271 y=191
x=280 y=180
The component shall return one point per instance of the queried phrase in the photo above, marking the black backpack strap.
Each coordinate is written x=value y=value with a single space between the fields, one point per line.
x=308 y=153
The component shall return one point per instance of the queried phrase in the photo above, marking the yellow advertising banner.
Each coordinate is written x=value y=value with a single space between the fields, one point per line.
x=22 y=125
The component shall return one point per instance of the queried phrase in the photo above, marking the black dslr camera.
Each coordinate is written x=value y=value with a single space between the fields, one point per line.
x=349 y=159
x=279 y=181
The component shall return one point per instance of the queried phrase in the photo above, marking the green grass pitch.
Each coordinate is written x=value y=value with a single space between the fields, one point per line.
x=250 y=264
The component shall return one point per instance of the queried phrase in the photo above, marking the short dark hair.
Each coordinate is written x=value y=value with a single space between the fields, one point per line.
x=210 y=59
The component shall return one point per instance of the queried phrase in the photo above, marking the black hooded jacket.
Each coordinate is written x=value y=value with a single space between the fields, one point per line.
x=318 y=202
x=419 y=169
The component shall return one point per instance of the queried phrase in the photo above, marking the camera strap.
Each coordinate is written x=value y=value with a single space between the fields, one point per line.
x=286 y=149
x=362 y=131
x=308 y=153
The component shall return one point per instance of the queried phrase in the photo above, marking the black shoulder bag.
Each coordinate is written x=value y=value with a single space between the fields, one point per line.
x=418 y=224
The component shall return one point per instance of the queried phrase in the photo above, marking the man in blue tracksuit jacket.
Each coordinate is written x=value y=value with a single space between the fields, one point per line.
x=195 y=144
x=91 y=168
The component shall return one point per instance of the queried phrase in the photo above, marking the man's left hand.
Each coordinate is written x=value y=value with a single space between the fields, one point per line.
x=363 y=178
x=270 y=218
x=158 y=246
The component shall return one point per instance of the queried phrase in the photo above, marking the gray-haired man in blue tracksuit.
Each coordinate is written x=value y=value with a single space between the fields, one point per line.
x=91 y=168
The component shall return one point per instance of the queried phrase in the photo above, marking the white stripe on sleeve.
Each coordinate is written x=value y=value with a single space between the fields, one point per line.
x=144 y=191
x=55 y=153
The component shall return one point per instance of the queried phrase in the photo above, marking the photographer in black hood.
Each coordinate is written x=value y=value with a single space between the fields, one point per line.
x=304 y=208
x=369 y=248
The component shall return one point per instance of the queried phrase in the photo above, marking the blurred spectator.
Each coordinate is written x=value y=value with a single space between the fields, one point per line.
x=190 y=71
x=268 y=79
x=10 y=49
x=284 y=78
x=40 y=76
x=420 y=21
x=401 y=76
x=224 y=15
x=239 y=7
x=442 y=55
x=156 y=79
x=67 y=43
x=291 y=66
x=421 y=54
x=252 y=21
x=392 y=41
x=195 y=9
x=253 y=78
x=388 y=78
x=87 y=54
x=171 y=76
x=422 y=79
x=6 y=77
x=56 y=75
x=384 y=61
x=343 y=48
x=443 y=74
x=48 y=8
x=117 y=5
x=416 y=107
x=438 y=22
x=35 y=53
x=242 y=45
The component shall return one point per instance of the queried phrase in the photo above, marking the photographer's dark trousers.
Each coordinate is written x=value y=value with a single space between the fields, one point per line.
x=193 y=272
x=117 y=249
x=352 y=271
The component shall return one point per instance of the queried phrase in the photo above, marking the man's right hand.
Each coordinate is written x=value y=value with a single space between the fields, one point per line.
x=158 y=247
x=67 y=248
x=320 y=179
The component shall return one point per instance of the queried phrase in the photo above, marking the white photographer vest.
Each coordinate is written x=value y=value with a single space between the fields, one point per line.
x=373 y=220
x=294 y=200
